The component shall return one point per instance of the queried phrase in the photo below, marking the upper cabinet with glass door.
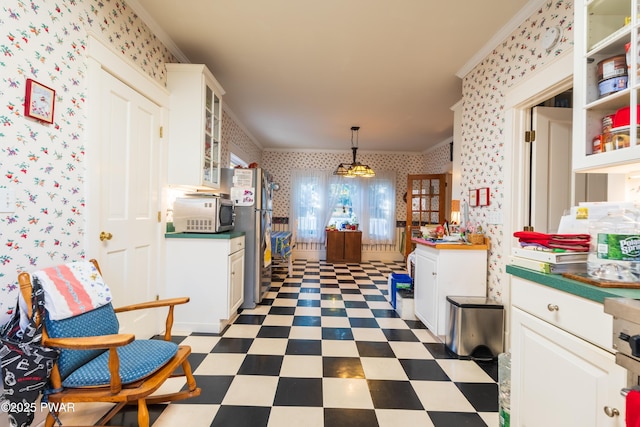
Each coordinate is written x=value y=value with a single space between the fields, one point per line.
x=606 y=86
x=194 y=126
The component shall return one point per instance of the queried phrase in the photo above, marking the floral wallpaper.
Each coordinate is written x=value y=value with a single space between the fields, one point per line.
x=280 y=163
x=235 y=138
x=483 y=141
x=438 y=160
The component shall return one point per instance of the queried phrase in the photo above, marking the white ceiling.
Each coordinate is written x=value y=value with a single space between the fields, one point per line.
x=299 y=73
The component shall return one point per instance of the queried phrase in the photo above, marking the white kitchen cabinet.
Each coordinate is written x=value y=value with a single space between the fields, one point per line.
x=563 y=369
x=601 y=33
x=194 y=126
x=211 y=272
x=446 y=272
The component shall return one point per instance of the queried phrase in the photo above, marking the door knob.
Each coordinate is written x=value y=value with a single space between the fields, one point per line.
x=105 y=236
x=611 y=412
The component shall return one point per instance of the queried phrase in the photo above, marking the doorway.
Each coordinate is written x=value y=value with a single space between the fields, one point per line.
x=552 y=186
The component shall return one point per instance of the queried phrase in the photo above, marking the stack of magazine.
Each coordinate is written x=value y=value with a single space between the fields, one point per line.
x=550 y=261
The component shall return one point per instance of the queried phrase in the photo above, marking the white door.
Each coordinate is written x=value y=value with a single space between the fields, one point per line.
x=551 y=160
x=426 y=292
x=129 y=200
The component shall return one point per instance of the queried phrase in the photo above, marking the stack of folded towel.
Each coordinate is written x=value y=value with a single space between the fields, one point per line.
x=570 y=242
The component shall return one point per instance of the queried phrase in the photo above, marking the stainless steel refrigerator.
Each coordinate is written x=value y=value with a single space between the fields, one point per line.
x=252 y=192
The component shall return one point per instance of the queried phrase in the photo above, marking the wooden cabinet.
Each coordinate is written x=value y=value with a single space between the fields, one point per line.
x=344 y=246
x=563 y=369
x=194 y=126
x=211 y=272
x=605 y=29
x=446 y=272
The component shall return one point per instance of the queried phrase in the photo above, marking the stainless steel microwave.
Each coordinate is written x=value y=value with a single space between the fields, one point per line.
x=203 y=214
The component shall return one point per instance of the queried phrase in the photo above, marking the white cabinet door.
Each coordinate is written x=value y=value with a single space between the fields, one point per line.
x=236 y=282
x=561 y=380
x=194 y=126
x=426 y=291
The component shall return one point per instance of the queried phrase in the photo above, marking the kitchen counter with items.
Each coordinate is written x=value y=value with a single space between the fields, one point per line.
x=584 y=290
x=444 y=244
x=438 y=274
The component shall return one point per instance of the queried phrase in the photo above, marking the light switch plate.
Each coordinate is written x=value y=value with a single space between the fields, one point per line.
x=7 y=200
x=494 y=217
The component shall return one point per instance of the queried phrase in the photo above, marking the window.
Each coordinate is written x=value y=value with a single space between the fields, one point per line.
x=319 y=199
x=236 y=161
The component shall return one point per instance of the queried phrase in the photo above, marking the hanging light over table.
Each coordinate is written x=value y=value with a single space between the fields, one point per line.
x=356 y=168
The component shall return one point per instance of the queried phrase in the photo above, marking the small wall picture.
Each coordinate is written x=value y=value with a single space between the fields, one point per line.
x=39 y=101
x=483 y=197
x=473 y=197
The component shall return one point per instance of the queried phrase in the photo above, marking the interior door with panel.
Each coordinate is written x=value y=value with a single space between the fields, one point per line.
x=425 y=204
x=129 y=200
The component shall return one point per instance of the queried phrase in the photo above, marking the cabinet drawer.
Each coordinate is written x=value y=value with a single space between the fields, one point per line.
x=236 y=244
x=574 y=314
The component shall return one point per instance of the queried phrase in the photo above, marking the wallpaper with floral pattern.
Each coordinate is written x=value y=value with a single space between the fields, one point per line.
x=483 y=92
x=235 y=139
x=43 y=164
x=280 y=164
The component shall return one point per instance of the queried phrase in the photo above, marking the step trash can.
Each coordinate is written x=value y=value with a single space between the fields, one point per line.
x=475 y=327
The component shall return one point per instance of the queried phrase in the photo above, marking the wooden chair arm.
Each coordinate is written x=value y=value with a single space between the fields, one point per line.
x=152 y=304
x=171 y=303
x=90 y=343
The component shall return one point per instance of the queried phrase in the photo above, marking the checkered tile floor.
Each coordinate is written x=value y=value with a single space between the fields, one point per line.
x=325 y=348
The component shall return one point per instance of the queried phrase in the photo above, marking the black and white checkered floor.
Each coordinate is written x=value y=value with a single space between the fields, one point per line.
x=325 y=348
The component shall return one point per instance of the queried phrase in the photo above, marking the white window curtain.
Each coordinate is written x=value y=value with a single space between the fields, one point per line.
x=334 y=190
x=316 y=193
x=309 y=204
x=378 y=195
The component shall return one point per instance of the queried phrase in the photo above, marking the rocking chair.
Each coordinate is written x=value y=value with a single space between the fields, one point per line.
x=97 y=364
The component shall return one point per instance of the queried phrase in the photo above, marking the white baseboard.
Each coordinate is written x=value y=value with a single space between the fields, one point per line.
x=316 y=255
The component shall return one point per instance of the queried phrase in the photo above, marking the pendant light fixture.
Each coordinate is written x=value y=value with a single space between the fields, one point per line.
x=356 y=168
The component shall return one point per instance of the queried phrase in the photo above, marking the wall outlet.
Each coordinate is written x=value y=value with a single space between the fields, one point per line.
x=7 y=200
x=494 y=217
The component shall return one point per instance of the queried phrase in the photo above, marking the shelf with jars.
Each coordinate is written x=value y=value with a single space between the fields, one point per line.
x=606 y=86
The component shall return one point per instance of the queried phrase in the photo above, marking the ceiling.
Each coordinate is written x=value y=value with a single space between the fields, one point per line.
x=298 y=73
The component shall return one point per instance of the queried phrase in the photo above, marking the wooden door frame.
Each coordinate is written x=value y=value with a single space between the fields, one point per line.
x=442 y=177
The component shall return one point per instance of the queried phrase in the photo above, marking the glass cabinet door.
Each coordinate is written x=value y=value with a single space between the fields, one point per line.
x=211 y=159
x=425 y=205
x=607 y=83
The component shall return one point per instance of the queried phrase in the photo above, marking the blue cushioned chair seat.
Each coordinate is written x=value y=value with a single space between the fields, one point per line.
x=101 y=321
x=137 y=360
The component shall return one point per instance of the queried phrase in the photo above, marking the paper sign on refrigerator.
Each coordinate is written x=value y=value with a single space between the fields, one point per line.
x=243 y=196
